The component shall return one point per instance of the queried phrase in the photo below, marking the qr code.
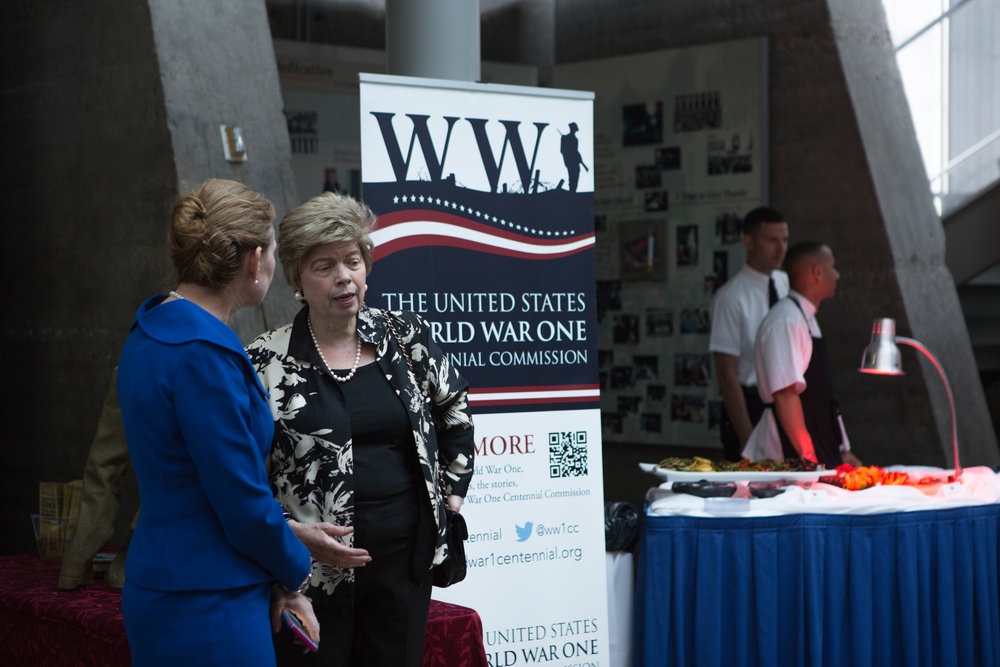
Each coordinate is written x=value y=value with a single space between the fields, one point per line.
x=568 y=454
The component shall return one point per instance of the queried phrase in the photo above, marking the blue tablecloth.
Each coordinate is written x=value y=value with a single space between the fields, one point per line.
x=907 y=588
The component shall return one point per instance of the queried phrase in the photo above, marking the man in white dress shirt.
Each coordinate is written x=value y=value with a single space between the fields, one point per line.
x=801 y=418
x=736 y=312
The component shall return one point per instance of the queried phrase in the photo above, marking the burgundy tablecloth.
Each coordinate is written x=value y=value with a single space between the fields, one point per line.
x=41 y=626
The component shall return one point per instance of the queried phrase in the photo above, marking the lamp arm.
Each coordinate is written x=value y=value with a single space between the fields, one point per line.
x=947 y=390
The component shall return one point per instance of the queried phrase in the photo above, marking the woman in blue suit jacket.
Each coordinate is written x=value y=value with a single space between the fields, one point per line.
x=210 y=539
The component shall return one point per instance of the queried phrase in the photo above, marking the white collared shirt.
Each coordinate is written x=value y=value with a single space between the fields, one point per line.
x=736 y=313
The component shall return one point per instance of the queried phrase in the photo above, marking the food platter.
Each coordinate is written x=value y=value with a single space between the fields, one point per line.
x=734 y=475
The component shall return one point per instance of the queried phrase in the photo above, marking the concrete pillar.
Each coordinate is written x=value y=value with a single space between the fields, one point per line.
x=437 y=39
x=112 y=109
x=928 y=301
x=218 y=67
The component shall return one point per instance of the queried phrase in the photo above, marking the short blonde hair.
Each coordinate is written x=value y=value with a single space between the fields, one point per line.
x=326 y=218
x=214 y=227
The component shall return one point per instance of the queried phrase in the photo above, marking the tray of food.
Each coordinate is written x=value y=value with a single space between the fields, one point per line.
x=676 y=469
x=864 y=477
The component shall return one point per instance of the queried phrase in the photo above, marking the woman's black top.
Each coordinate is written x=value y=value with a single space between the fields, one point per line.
x=387 y=480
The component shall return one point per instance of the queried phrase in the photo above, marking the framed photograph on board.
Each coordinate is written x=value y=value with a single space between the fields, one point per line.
x=643 y=249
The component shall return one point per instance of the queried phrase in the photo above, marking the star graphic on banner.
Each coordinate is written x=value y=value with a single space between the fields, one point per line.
x=470 y=211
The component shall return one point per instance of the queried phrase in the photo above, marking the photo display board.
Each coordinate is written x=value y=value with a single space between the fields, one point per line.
x=680 y=156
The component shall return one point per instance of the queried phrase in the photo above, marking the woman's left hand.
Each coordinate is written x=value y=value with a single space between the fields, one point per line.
x=455 y=502
x=322 y=540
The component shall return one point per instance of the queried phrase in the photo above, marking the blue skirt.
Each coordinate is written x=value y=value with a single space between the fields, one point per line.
x=193 y=628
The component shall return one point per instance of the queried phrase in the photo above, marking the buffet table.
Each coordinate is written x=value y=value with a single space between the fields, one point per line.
x=837 y=581
x=40 y=625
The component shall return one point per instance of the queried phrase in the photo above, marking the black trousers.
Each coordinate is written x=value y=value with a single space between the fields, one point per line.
x=384 y=628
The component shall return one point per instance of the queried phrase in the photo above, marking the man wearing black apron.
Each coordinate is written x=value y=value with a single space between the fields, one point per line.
x=801 y=418
x=819 y=409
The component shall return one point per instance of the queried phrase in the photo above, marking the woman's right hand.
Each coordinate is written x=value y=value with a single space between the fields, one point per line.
x=299 y=605
x=320 y=539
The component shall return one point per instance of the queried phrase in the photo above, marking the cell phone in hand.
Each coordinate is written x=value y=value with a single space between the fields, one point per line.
x=299 y=630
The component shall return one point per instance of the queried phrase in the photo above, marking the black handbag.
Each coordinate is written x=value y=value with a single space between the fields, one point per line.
x=454 y=567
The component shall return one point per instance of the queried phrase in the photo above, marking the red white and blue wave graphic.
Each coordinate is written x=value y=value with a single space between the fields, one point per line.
x=415 y=228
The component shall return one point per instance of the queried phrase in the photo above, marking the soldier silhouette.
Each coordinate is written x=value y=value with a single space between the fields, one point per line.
x=569 y=146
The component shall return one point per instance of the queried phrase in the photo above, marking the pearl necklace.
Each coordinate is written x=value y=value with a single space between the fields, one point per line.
x=176 y=295
x=357 y=356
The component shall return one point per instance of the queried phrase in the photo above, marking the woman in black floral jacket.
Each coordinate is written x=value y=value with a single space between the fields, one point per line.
x=362 y=445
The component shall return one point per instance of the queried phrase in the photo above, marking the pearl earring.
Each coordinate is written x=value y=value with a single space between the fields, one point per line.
x=299 y=297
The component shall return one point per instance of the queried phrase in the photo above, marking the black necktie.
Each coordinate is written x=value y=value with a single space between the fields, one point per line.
x=772 y=293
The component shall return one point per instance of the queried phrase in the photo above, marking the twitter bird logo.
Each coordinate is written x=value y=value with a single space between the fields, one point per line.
x=523 y=532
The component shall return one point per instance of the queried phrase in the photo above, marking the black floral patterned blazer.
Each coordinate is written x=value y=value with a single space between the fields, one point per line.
x=311 y=456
